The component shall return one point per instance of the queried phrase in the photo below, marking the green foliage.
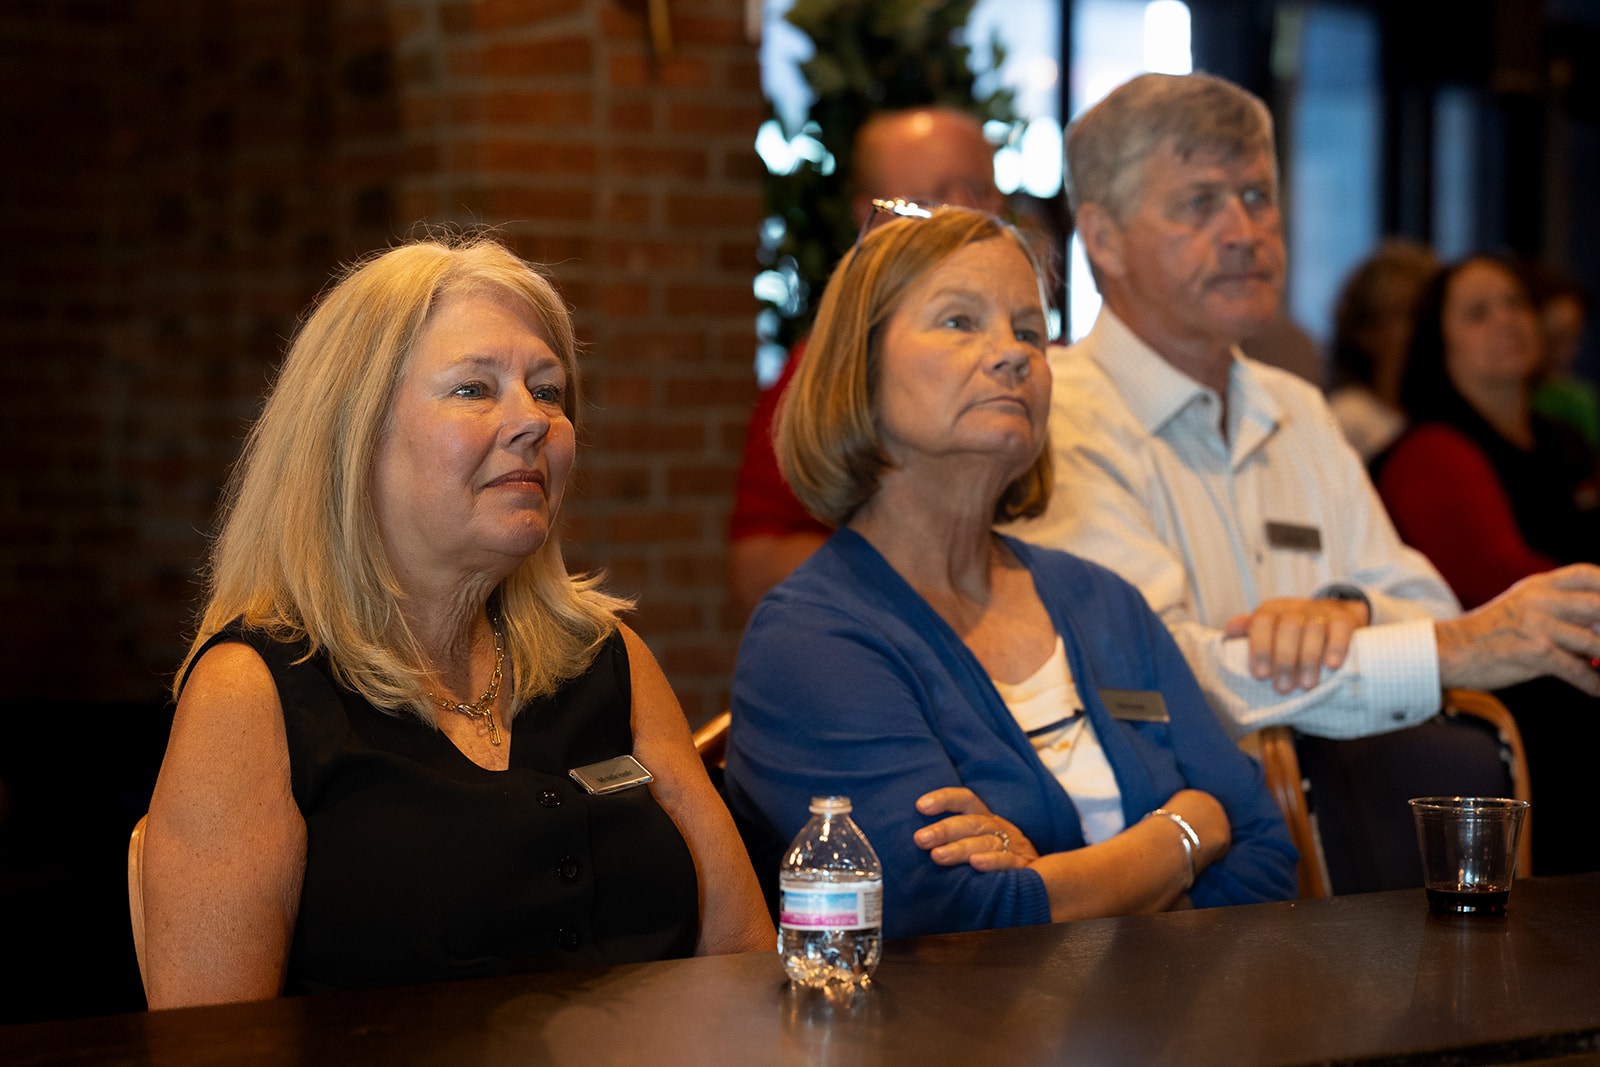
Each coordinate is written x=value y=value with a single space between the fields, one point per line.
x=871 y=55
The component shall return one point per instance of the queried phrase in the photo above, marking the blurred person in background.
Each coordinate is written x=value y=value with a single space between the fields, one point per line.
x=1497 y=496
x=1560 y=394
x=929 y=155
x=1490 y=490
x=1371 y=335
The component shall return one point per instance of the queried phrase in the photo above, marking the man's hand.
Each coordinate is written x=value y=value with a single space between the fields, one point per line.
x=1543 y=625
x=1293 y=638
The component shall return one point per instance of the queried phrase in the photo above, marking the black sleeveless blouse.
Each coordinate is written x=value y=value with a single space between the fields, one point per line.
x=422 y=866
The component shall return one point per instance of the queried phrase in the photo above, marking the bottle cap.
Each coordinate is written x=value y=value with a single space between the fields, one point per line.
x=830 y=805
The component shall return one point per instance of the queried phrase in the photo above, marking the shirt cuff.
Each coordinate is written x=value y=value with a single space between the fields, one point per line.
x=1399 y=672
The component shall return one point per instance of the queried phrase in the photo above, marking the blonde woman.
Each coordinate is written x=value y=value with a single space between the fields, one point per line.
x=368 y=777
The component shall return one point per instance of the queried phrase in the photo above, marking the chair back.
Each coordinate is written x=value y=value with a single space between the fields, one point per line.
x=1288 y=789
x=711 y=741
x=1345 y=801
x=136 y=894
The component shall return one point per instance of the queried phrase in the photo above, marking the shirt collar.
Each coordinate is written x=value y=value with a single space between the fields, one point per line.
x=1156 y=391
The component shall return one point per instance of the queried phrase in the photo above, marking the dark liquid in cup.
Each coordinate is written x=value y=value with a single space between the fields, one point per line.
x=1467 y=900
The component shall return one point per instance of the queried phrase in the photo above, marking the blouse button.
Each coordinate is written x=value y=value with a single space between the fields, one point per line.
x=567 y=938
x=567 y=870
x=550 y=798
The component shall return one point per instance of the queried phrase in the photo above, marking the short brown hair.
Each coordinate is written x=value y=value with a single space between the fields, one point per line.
x=1109 y=145
x=826 y=436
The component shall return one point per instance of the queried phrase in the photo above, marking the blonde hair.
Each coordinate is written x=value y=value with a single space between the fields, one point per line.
x=826 y=433
x=299 y=553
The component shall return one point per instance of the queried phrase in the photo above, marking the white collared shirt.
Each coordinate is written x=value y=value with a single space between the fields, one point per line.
x=1146 y=484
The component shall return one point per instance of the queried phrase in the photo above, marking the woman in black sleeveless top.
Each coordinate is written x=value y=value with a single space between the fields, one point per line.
x=368 y=777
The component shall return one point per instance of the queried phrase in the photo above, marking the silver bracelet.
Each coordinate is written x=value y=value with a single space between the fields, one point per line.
x=1190 y=840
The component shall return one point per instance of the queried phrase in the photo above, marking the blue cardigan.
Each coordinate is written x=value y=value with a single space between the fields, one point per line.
x=848 y=682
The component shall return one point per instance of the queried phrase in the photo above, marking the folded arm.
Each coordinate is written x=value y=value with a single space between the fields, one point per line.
x=821 y=707
x=1383 y=679
x=1143 y=869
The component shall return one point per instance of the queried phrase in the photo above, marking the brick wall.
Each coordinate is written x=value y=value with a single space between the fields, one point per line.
x=199 y=167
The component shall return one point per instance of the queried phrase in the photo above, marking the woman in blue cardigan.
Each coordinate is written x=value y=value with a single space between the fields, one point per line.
x=1020 y=737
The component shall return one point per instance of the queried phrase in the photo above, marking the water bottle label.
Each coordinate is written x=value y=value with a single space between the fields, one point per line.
x=810 y=906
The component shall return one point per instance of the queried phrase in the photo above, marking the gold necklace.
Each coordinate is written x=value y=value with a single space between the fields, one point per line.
x=483 y=707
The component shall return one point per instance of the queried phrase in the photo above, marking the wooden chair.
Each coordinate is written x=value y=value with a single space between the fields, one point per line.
x=136 y=894
x=1288 y=788
x=711 y=741
x=1356 y=790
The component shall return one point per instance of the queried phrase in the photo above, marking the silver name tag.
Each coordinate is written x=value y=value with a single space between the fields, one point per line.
x=1135 y=705
x=608 y=776
x=1294 y=536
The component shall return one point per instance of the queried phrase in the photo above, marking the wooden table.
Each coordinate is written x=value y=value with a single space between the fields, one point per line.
x=1359 y=979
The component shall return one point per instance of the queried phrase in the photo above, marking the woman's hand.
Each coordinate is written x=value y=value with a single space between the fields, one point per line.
x=973 y=835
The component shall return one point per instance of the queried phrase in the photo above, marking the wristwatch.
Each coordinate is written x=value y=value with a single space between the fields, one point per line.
x=1344 y=591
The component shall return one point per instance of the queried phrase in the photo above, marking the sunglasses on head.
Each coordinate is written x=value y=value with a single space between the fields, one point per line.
x=888 y=210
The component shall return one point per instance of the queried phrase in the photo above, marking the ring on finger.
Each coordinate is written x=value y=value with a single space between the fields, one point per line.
x=1005 y=840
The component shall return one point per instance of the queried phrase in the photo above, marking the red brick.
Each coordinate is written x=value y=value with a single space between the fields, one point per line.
x=656 y=616
x=726 y=209
x=714 y=119
x=537 y=157
x=628 y=209
x=743 y=167
x=636 y=435
x=662 y=345
x=633 y=117
x=743 y=77
x=638 y=257
x=570 y=55
x=501 y=14
x=635 y=70
x=711 y=300
x=653 y=527
x=552 y=107
x=556 y=250
x=692 y=29
x=625 y=390
x=624 y=576
x=618 y=23
x=700 y=659
x=624 y=485
x=702 y=479
x=738 y=256
x=735 y=391
x=658 y=162
x=629 y=300
x=706 y=570
x=559 y=204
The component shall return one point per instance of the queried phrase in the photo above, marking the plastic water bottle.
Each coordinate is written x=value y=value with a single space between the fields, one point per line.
x=830 y=901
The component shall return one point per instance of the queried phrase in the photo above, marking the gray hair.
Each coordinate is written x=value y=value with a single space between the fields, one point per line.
x=1108 y=145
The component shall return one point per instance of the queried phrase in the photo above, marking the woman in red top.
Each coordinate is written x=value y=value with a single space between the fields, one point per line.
x=1488 y=490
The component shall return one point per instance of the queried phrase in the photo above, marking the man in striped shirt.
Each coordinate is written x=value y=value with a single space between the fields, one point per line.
x=1223 y=488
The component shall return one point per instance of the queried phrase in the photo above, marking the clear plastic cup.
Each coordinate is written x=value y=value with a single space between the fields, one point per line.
x=1469 y=851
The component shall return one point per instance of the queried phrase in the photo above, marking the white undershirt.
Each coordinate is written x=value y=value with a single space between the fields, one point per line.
x=1050 y=712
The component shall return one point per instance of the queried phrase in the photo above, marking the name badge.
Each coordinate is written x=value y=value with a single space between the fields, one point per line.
x=1135 y=705
x=609 y=776
x=1291 y=535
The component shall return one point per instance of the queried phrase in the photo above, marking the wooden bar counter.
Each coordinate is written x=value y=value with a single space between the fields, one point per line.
x=1359 y=979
